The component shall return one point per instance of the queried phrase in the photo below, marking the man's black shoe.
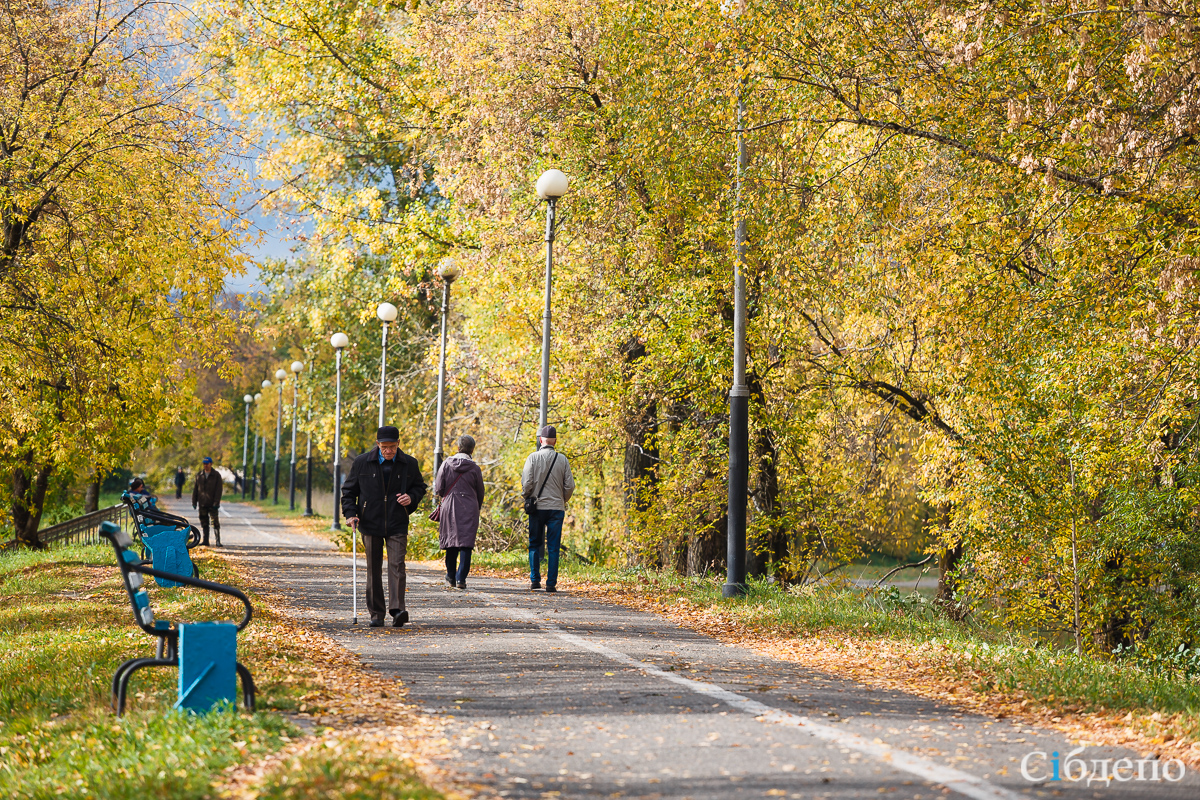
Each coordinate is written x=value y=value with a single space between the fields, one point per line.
x=398 y=620
x=450 y=581
x=376 y=623
x=535 y=586
x=551 y=589
x=462 y=585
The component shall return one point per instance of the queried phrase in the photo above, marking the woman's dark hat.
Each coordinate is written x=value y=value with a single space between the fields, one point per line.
x=387 y=433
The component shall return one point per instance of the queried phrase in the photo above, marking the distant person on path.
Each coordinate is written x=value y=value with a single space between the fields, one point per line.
x=206 y=495
x=546 y=479
x=459 y=483
x=384 y=486
x=180 y=480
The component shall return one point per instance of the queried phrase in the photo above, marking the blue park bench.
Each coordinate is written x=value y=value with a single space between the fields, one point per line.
x=164 y=538
x=205 y=653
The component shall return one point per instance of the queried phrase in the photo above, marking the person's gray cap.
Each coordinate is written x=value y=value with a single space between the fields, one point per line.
x=388 y=433
x=548 y=432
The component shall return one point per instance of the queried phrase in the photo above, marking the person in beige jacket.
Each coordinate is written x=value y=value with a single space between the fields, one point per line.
x=547 y=479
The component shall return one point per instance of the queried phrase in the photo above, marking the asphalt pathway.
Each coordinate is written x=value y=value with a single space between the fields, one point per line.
x=561 y=696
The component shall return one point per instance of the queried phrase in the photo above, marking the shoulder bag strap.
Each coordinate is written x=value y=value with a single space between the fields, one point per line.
x=450 y=488
x=546 y=480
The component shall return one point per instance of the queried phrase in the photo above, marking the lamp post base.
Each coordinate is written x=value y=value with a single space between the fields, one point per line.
x=739 y=460
x=308 y=512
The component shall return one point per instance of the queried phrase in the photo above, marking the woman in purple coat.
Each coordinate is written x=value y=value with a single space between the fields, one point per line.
x=459 y=484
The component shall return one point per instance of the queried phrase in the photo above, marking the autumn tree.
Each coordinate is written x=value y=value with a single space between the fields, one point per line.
x=972 y=258
x=116 y=239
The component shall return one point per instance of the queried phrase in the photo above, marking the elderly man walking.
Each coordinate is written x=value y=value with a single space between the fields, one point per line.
x=547 y=485
x=383 y=488
x=206 y=495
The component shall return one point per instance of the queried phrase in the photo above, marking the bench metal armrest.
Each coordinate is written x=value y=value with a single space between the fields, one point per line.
x=154 y=515
x=199 y=583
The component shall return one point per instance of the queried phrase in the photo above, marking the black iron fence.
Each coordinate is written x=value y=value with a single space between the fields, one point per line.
x=81 y=530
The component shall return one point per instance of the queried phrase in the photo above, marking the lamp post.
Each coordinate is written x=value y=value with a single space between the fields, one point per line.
x=280 y=376
x=263 y=461
x=448 y=271
x=386 y=313
x=339 y=341
x=254 y=454
x=550 y=186
x=308 y=512
x=262 y=464
x=739 y=393
x=247 y=399
x=297 y=368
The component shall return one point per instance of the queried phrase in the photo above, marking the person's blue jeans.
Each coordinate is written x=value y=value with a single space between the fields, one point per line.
x=462 y=557
x=545 y=536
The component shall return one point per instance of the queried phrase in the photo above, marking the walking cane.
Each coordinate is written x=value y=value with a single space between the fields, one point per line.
x=354 y=569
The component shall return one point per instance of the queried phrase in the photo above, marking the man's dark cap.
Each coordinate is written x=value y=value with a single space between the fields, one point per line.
x=548 y=432
x=206 y=460
x=388 y=433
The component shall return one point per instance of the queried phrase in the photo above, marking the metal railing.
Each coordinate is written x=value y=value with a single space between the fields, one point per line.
x=85 y=529
x=81 y=530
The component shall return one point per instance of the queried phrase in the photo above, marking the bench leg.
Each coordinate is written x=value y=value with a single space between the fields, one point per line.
x=247 y=687
x=125 y=672
x=116 y=681
x=119 y=675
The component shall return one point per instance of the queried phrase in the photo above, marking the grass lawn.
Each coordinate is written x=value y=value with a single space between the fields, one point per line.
x=65 y=625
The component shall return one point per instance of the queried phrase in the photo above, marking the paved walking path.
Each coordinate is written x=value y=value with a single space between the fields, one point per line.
x=558 y=695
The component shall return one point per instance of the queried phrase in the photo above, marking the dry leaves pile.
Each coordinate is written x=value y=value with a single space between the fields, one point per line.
x=934 y=672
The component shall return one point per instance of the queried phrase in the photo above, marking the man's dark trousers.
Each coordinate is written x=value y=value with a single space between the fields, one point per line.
x=205 y=512
x=397 y=549
x=545 y=535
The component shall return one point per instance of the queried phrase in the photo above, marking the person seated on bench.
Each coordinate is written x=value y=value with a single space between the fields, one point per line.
x=164 y=537
x=138 y=486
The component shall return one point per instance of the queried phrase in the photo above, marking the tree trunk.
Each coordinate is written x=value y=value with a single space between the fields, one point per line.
x=641 y=448
x=706 y=548
x=91 y=498
x=770 y=545
x=949 y=560
x=639 y=476
x=673 y=554
x=28 y=499
x=1118 y=626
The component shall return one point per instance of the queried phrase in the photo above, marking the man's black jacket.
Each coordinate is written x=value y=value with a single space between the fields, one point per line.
x=206 y=491
x=364 y=495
